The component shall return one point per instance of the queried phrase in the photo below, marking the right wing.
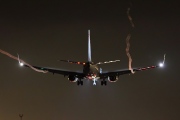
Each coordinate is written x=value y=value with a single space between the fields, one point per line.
x=122 y=72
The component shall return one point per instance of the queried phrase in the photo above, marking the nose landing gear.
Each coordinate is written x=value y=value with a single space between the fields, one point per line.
x=104 y=82
x=94 y=81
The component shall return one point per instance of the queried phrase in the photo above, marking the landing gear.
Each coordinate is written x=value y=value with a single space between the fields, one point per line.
x=104 y=82
x=94 y=81
x=79 y=82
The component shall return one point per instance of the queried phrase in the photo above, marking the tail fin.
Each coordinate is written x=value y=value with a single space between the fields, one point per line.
x=89 y=47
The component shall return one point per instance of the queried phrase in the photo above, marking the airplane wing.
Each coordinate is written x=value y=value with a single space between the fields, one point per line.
x=58 y=71
x=122 y=72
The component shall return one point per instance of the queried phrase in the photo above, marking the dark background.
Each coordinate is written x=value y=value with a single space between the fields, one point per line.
x=43 y=32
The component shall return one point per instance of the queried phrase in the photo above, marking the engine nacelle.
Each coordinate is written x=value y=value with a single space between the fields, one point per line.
x=72 y=78
x=112 y=78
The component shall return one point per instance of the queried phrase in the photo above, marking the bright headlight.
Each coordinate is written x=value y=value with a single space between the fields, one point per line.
x=161 y=64
x=21 y=64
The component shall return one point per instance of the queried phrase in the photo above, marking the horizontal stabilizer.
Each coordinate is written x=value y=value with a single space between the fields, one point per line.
x=74 y=62
x=107 y=62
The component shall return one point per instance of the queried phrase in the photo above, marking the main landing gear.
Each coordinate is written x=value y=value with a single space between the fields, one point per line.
x=103 y=82
x=79 y=82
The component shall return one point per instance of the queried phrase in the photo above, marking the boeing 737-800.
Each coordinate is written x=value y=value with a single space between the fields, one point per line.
x=91 y=71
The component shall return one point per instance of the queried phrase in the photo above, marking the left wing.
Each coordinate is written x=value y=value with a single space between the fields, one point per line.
x=58 y=71
x=122 y=72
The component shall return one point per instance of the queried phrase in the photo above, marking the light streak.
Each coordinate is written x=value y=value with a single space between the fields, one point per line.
x=128 y=54
x=21 y=62
x=162 y=64
x=164 y=59
x=107 y=62
x=128 y=43
x=129 y=17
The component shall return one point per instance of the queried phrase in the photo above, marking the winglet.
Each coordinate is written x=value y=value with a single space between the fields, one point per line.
x=20 y=63
x=164 y=58
x=162 y=64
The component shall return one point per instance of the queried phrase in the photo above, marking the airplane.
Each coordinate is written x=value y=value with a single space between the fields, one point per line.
x=91 y=71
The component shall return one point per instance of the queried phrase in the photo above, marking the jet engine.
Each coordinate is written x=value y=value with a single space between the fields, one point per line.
x=112 y=78
x=72 y=78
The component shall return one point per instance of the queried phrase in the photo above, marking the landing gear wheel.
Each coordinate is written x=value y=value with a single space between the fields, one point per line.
x=103 y=82
x=79 y=82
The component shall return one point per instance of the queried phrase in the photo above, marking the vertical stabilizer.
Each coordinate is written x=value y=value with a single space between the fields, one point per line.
x=89 y=47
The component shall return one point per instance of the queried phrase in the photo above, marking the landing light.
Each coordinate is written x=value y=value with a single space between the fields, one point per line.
x=161 y=64
x=21 y=64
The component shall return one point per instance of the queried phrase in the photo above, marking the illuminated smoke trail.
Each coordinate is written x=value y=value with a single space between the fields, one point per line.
x=164 y=59
x=127 y=41
x=21 y=61
x=128 y=54
x=130 y=18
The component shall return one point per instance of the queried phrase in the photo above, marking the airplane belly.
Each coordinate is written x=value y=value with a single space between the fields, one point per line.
x=93 y=74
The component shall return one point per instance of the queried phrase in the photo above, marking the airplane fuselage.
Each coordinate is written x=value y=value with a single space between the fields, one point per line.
x=91 y=71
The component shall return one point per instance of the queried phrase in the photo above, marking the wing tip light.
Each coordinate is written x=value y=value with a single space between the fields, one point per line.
x=162 y=64
x=20 y=63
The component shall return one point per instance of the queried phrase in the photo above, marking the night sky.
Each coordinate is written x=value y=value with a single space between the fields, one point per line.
x=43 y=32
